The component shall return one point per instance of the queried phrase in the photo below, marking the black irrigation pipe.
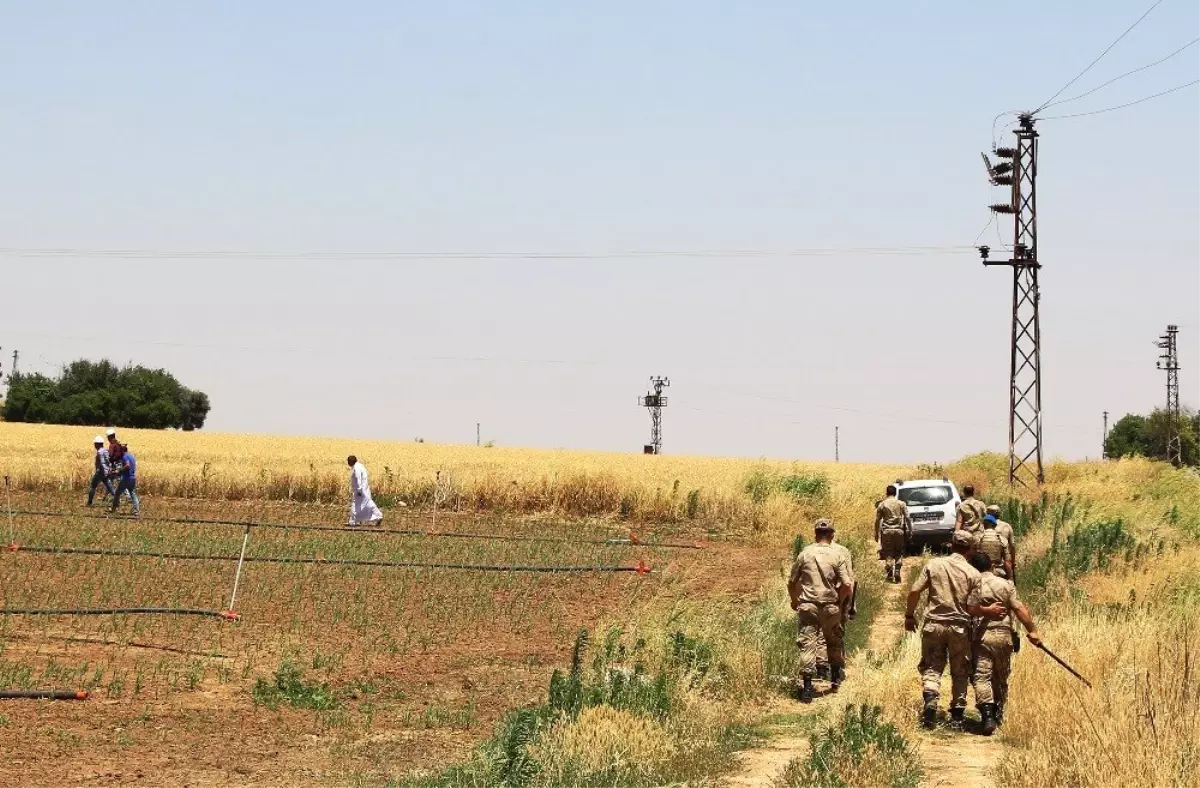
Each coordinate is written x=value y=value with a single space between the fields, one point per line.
x=46 y=694
x=640 y=568
x=112 y=611
x=634 y=542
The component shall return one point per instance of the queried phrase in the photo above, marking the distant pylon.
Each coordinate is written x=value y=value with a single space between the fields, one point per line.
x=1169 y=362
x=654 y=401
x=1104 y=439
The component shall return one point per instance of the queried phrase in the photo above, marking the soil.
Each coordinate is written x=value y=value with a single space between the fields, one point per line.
x=423 y=709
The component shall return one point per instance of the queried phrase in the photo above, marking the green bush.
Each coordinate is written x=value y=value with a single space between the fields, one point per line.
x=289 y=686
x=762 y=484
x=860 y=751
x=1093 y=546
x=805 y=487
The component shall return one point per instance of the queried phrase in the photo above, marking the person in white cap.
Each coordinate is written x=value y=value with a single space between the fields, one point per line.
x=113 y=444
x=362 y=506
x=103 y=469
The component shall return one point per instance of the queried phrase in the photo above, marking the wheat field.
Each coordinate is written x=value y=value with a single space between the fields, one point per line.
x=663 y=488
x=1128 y=622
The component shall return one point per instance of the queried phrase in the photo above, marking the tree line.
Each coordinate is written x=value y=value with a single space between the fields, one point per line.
x=100 y=392
x=1147 y=436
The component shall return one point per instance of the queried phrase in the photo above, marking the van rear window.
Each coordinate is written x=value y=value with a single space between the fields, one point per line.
x=927 y=496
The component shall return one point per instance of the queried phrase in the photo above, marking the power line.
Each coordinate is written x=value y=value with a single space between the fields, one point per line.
x=1098 y=57
x=1122 y=106
x=1122 y=76
x=158 y=254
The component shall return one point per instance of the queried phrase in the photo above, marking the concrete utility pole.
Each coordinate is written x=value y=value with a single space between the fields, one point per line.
x=1169 y=362
x=477 y=443
x=837 y=445
x=654 y=402
x=1018 y=169
x=1104 y=441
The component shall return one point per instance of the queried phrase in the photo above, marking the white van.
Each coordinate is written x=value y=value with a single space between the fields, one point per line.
x=932 y=505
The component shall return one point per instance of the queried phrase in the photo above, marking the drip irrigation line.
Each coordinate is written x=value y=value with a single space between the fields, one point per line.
x=372 y=531
x=44 y=694
x=640 y=568
x=111 y=611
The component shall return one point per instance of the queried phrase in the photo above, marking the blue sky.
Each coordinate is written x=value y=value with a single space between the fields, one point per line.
x=598 y=127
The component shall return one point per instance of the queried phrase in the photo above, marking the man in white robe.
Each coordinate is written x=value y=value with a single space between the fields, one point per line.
x=362 y=507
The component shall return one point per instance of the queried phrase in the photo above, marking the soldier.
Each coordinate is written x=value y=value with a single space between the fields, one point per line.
x=969 y=516
x=990 y=542
x=993 y=641
x=892 y=527
x=945 y=637
x=1006 y=530
x=821 y=581
x=848 y=612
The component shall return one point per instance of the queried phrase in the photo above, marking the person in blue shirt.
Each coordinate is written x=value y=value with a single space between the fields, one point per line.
x=125 y=468
x=102 y=471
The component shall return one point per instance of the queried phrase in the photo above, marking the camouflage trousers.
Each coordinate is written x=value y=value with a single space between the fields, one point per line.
x=993 y=660
x=891 y=544
x=813 y=623
x=942 y=645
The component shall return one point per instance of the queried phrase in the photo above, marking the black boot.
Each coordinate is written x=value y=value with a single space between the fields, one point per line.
x=929 y=715
x=805 y=695
x=824 y=672
x=987 y=715
x=837 y=676
x=956 y=718
x=899 y=571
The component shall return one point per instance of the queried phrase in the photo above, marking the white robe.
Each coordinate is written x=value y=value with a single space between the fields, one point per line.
x=362 y=507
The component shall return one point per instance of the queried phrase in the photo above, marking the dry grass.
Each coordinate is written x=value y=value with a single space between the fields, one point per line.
x=1131 y=627
x=1140 y=724
x=44 y=458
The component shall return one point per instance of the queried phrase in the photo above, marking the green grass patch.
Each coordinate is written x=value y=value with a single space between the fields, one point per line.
x=288 y=686
x=761 y=484
x=1091 y=547
x=858 y=750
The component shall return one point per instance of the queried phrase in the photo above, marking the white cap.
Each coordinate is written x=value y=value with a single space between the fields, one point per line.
x=98 y=440
x=111 y=433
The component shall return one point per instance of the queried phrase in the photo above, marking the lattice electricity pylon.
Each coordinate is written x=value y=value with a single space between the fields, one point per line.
x=1169 y=361
x=1018 y=169
x=654 y=401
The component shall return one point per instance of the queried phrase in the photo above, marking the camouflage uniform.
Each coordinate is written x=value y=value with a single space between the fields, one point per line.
x=971 y=511
x=1006 y=530
x=891 y=518
x=990 y=542
x=945 y=638
x=817 y=574
x=993 y=640
x=823 y=647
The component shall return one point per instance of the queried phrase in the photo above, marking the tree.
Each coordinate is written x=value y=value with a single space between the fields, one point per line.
x=88 y=392
x=1147 y=436
x=1126 y=438
x=1160 y=427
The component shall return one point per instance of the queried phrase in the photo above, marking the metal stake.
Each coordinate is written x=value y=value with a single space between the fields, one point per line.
x=237 y=578
x=12 y=539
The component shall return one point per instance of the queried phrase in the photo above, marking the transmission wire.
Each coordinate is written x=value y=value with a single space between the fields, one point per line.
x=1098 y=57
x=1122 y=106
x=1122 y=76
